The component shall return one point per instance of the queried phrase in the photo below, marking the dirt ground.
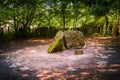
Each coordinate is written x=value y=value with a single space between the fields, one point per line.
x=29 y=60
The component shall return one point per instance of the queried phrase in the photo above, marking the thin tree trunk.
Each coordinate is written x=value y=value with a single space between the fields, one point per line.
x=16 y=27
x=49 y=13
x=63 y=14
x=63 y=18
x=64 y=21
x=28 y=21
x=2 y=31
x=75 y=6
x=8 y=29
x=106 y=26
x=117 y=26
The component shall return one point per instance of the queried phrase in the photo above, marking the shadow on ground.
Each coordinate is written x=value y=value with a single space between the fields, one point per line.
x=93 y=71
x=20 y=44
x=7 y=73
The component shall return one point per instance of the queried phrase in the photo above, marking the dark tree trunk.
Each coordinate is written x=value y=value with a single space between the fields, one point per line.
x=2 y=31
x=106 y=26
x=8 y=29
x=16 y=28
x=63 y=7
x=27 y=23
x=117 y=26
x=75 y=7
x=63 y=18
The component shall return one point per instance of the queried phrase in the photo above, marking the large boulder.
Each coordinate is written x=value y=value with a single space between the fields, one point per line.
x=74 y=39
x=67 y=40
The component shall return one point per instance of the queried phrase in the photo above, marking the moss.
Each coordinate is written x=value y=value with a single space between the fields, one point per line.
x=57 y=45
x=67 y=40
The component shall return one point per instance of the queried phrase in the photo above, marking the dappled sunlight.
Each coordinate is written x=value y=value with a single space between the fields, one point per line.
x=107 y=70
x=47 y=74
x=96 y=60
x=84 y=73
x=43 y=41
x=37 y=57
x=115 y=65
x=25 y=75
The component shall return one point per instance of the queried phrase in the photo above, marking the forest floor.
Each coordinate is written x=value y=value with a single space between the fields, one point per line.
x=29 y=60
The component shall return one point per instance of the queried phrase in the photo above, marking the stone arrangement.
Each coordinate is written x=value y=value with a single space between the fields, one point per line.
x=67 y=40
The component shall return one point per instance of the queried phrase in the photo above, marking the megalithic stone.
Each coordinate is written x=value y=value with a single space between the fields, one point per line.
x=58 y=43
x=67 y=40
x=74 y=39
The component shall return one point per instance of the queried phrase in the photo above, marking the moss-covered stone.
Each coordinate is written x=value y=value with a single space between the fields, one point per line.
x=66 y=40
x=57 y=45
x=74 y=39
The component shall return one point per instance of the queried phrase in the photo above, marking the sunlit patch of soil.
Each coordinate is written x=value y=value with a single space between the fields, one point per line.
x=37 y=57
x=33 y=55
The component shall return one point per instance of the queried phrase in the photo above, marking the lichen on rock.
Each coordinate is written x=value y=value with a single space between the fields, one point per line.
x=57 y=45
x=74 y=39
x=67 y=40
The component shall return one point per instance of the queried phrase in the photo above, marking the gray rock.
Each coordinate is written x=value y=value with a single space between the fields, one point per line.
x=74 y=39
x=67 y=40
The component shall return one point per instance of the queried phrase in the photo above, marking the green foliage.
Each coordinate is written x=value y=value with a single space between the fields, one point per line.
x=87 y=15
x=99 y=10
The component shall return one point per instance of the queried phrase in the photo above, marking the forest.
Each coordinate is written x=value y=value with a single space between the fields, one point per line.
x=59 y=39
x=43 y=18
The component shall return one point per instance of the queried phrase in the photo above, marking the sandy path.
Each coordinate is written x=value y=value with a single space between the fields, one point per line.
x=36 y=57
x=97 y=53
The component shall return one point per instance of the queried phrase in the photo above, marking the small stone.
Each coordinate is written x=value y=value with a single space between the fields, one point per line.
x=78 y=52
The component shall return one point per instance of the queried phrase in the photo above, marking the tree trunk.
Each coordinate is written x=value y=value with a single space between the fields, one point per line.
x=118 y=23
x=16 y=27
x=63 y=18
x=116 y=27
x=8 y=29
x=75 y=7
x=2 y=32
x=64 y=5
x=106 y=26
x=26 y=24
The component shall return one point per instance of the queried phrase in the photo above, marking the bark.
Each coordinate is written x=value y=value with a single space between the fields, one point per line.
x=26 y=24
x=116 y=27
x=63 y=18
x=16 y=24
x=75 y=6
x=63 y=14
x=106 y=26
